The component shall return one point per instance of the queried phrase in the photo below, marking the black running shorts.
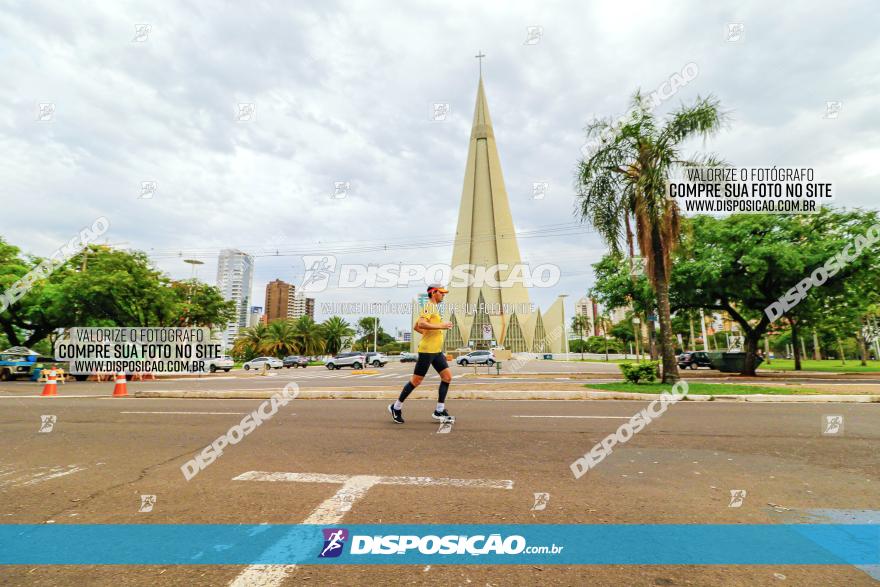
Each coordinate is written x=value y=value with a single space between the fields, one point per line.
x=425 y=360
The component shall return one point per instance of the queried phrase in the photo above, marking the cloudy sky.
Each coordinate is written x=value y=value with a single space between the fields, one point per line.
x=345 y=93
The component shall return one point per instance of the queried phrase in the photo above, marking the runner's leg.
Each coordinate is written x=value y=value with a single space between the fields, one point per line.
x=419 y=372
x=439 y=363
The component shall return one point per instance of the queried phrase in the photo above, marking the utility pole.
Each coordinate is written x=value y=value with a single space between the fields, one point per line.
x=637 y=333
x=703 y=330
x=691 y=320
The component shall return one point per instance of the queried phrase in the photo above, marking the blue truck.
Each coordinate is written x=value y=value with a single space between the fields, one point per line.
x=14 y=365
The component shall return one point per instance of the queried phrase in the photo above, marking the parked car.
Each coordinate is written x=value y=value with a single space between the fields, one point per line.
x=224 y=363
x=353 y=360
x=477 y=358
x=260 y=361
x=376 y=359
x=693 y=360
x=408 y=357
x=296 y=361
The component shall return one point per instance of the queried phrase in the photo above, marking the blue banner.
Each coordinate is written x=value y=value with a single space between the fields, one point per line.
x=461 y=544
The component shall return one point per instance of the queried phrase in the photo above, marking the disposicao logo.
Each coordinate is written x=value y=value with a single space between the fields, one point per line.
x=334 y=542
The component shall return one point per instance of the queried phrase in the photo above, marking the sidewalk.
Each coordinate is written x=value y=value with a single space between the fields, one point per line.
x=569 y=394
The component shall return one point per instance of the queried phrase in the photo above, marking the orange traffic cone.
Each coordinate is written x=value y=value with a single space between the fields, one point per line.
x=51 y=387
x=120 y=390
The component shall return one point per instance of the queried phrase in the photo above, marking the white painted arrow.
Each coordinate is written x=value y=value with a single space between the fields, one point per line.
x=332 y=510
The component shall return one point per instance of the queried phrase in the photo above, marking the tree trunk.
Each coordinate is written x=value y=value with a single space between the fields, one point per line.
x=767 y=349
x=661 y=286
x=10 y=333
x=652 y=348
x=692 y=344
x=840 y=348
x=817 y=353
x=638 y=336
x=863 y=346
x=794 y=344
x=753 y=337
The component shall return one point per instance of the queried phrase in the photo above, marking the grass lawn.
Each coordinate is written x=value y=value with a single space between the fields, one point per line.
x=703 y=388
x=834 y=366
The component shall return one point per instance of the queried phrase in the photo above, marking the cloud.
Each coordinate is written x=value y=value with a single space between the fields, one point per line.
x=343 y=93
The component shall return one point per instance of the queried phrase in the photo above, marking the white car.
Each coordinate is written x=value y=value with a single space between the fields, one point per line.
x=259 y=362
x=477 y=358
x=224 y=363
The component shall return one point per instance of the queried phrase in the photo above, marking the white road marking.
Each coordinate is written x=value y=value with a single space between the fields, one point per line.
x=189 y=413
x=42 y=474
x=200 y=378
x=590 y=417
x=59 y=396
x=332 y=510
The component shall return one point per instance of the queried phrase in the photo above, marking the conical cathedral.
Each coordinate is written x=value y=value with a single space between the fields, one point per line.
x=485 y=316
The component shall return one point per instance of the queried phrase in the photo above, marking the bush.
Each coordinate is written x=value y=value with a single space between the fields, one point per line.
x=635 y=372
x=596 y=344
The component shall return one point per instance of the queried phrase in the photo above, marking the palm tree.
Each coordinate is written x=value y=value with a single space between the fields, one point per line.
x=280 y=339
x=335 y=330
x=309 y=337
x=250 y=341
x=580 y=324
x=603 y=321
x=625 y=178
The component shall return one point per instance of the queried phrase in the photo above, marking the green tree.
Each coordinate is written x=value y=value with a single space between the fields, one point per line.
x=102 y=286
x=365 y=332
x=743 y=263
x=249 y=342
x=335 y=331
x=280 y=339
x=580 y=325
x=309 y=336
x=625 y=178
x=200 y=304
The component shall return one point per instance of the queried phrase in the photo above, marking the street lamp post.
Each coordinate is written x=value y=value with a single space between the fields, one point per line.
x=194 y=263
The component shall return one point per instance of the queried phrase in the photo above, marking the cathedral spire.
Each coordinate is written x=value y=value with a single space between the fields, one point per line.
x=485 y=235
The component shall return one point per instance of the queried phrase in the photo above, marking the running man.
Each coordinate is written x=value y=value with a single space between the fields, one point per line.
x=431 y=327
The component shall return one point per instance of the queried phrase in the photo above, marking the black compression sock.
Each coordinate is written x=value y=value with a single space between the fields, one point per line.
x=441 y=395
x=407 y=389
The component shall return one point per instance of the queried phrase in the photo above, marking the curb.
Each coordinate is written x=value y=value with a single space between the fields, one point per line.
x=506 y=395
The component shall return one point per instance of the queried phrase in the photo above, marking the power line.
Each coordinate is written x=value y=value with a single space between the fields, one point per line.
x=286 y=251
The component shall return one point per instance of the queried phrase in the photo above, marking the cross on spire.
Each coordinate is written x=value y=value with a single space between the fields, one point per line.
x=480 y=56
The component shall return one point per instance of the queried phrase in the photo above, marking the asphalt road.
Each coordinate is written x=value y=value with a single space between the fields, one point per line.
x=102 y=454
x=394 y=375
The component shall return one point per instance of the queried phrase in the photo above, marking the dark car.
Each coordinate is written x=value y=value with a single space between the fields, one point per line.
x=296 y=361
x=408 y=357
x=693 y=360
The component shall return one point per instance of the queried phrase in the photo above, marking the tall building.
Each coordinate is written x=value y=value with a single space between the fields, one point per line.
x=589 y=308
x=302 y=306
x=484 y=315
x=235 y=278
x=255 y=316
x=619 y=314
x=279 y=300
x=283 y=301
